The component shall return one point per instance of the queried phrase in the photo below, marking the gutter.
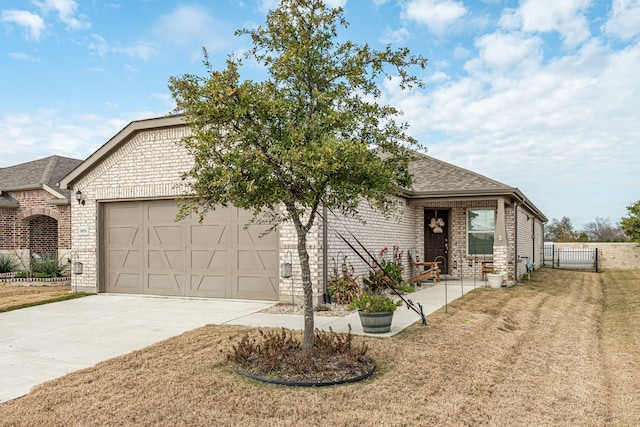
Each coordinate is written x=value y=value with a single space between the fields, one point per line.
x=513 y=192
x=8 y=205
x=30 y=187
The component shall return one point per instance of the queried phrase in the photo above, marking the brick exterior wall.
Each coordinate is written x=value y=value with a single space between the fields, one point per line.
x=611 y=256
x=460 y=263
x=35 y=226
x=149 y=165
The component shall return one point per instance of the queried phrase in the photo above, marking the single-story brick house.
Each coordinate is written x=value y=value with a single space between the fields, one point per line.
x=35 y=219
x=126 y=236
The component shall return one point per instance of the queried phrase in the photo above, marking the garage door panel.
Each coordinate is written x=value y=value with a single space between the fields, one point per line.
x=208 y=234
x=255 y=286
x=122 y=213
x=251 y=235
x=209 y=285
x=119 y=235
x=124 y=283
x=123 y=259
x=147 y=251
x=166 y=259
x=122 y=255
x=166 y=234
x=164 y=283
x=209 y=260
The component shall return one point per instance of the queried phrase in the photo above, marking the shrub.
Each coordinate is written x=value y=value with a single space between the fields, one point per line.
x=374 y=303
x=49 y=267
x=8 y=263
x=344 y=288
x=389 y=275
x=279 y=355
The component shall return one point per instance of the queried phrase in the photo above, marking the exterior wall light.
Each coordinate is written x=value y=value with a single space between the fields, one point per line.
x=80 y=197
x=77 y=268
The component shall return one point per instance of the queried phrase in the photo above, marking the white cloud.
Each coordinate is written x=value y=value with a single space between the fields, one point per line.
x=438 y=15
x=266 y=5
x=66 y=10
x=98 y=45
x=503 y=51
x=192 y=27
x=624 y=19
x=46 y=132
x=552 y=129
x=335 y=3
x=396 y=36
x=34 y=25
x=544 y=16
x=23 y=57
x=140 y=50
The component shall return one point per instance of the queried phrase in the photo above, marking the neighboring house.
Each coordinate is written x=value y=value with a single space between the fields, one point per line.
x=126 y=235
x=35 y=219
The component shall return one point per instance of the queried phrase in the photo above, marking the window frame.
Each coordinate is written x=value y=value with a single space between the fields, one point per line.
x=468 y=231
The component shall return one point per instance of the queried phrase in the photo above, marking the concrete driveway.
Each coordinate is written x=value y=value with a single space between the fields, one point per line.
x=41 y=343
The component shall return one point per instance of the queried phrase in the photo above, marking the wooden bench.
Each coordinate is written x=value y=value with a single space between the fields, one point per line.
x=427 y=270
x=487 y=267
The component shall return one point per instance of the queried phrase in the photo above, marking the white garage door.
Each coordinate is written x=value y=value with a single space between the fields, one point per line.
x=145 y=251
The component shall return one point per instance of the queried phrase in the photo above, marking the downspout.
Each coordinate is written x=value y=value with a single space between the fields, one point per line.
x=325 y=255
x=515 y=259
x=533 y=240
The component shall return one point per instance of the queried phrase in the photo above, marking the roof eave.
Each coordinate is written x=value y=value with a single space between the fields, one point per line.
x=126 y=133
x=59 y=202
x=23 y=187
x=475 y=194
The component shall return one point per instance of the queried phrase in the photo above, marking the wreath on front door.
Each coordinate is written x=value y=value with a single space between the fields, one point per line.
x=436 y=225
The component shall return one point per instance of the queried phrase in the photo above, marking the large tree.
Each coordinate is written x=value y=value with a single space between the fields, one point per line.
x=311 y=134
x=601 y=230
x=631 y=223
x=560 y=231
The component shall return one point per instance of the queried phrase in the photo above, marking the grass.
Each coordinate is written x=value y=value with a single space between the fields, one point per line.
x=16 y=297
x=560 y=350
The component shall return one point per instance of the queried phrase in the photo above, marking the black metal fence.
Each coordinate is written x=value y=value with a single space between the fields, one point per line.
x=570 y=258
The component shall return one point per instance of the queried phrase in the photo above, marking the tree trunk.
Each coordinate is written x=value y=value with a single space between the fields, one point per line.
x=303 y=255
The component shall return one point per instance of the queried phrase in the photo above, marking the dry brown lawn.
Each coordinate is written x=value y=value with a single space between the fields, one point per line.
x=560 y=350
x=16 y=296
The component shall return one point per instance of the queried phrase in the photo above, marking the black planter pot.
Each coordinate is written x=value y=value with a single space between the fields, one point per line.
x=376 y=323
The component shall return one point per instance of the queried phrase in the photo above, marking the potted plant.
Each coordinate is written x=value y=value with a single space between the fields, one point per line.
x=375 y=311
x=495 y=278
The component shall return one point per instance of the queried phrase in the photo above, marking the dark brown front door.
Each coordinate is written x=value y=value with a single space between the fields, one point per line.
x=436 y=236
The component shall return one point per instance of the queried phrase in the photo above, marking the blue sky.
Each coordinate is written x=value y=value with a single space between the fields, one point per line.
x=543 y=95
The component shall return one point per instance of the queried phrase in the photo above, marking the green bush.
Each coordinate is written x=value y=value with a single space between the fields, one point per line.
x=7 y=263
x=49 y=267
x=374 y=303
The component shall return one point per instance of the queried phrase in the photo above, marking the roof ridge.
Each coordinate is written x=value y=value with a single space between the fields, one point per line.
x=48 y=170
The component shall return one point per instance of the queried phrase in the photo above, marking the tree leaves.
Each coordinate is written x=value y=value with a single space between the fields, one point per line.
x=311 y=134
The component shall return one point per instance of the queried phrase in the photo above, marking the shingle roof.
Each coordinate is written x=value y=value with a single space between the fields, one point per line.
x=433 y=175
x=47 y=171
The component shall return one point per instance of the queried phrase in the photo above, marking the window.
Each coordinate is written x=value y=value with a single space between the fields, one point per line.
x=481 y=225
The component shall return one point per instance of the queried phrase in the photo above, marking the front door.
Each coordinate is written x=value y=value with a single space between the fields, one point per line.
x=436 y=236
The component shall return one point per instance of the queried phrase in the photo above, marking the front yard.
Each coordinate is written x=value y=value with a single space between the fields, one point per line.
x=562 y=349
x=14 y=297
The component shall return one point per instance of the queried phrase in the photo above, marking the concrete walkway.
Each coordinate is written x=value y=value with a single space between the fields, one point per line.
x=431 y=298
x=41 y=343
